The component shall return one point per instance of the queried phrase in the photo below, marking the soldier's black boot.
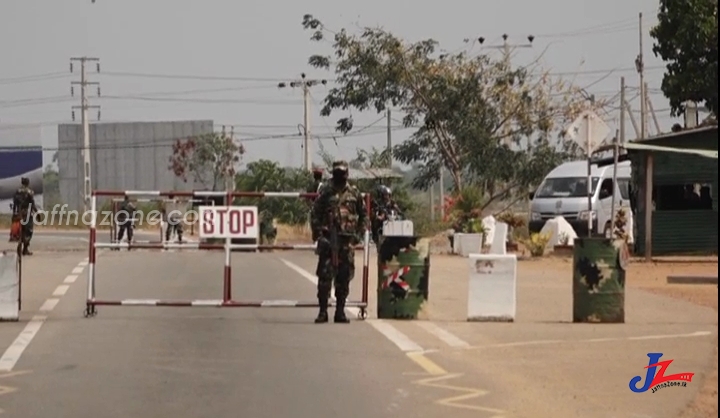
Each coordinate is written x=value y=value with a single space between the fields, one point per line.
x=323 y=314
x=26 y=250
x=340 y=317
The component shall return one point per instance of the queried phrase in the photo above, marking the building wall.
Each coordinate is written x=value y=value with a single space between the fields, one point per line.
x=124 y=156
x=21 y=155
x=677 y=232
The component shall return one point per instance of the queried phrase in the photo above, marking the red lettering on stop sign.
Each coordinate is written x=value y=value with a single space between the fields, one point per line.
x=221 y=221
x=248 y=218
x=235 y=222
x=208 y=222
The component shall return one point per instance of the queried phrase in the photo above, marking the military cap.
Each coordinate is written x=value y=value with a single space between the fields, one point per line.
x=317 y=170
x=340 y=165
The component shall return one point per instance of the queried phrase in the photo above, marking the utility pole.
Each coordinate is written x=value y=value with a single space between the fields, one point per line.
x=305 y=84
x=389 y=139
x=621 y=135
x=84 y=107
x=640 y=67
x=507 y=48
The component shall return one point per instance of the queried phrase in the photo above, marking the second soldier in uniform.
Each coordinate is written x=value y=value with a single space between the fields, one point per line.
x=24 y=207
x=339 y=210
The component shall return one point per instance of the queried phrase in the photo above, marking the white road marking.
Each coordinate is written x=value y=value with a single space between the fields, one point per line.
x=13 y=353
x=593 y=340
x=402 y=341
x=49 y=305
x=443 y=335
x=61 y=290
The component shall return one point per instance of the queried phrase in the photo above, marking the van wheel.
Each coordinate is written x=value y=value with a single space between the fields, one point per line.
x=608 y=233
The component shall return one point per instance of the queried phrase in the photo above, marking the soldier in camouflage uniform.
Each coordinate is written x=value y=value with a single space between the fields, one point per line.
x=24 y=206
x=124 y=217
x=339 y=210
x=268 y=231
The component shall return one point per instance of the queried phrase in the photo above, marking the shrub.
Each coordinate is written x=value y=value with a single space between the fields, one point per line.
x=536 y=244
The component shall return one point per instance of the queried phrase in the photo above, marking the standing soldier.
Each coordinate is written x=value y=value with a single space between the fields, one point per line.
x=317 y=181
x=338 y=223
x=174 y=211
x=24 y=207
x=125 y=215
x=268 y=230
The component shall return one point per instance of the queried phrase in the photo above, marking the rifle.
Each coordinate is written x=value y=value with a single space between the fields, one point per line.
x=334 y=242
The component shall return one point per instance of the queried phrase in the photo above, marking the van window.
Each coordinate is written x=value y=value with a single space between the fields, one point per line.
x=566 y=187
x=624 y=186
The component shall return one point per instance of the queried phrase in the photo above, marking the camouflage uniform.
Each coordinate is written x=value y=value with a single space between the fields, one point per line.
x=339 y=208
x=174 y=211
x=268 y=231
x=125 y=215
x=24 y=207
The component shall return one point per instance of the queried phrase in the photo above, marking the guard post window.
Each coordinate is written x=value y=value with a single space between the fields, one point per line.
x=683 y=197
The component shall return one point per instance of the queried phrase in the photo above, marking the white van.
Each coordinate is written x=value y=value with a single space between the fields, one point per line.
x=563 y=192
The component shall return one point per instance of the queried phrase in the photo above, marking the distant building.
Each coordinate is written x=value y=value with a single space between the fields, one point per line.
x=683 y=216
x=124 y=156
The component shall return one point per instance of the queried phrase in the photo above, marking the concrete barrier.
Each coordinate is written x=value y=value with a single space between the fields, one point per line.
x=9 y=287
x=492 y=289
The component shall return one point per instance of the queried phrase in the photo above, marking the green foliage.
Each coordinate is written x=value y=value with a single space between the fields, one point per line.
x=268 y=176
x=208 y=159
x=537 y=243
x=485 y=123
x=686 y=38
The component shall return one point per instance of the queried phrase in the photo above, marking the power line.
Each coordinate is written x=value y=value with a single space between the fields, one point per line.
x=33 y=78
x=189 y=76
x=170 y=142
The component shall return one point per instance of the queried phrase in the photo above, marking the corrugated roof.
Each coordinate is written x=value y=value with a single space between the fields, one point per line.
x=678 y=134
x=373 y=173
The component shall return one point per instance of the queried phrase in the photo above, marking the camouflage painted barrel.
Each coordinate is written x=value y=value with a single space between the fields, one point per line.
x=403 y=274
x=599 y=280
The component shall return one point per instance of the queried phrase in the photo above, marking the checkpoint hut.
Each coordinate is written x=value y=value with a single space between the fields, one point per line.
x=675 y=176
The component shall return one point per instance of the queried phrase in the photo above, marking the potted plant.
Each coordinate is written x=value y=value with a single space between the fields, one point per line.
x=514 y=222
x=536 y=244
x=563 y=248
x=467 y=221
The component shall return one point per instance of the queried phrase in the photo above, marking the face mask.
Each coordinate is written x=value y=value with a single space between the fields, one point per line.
x=339 y=177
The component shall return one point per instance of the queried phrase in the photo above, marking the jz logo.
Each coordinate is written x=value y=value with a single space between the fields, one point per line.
x=655 y=377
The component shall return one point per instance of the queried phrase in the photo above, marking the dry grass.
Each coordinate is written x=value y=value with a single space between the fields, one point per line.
x=293 y=234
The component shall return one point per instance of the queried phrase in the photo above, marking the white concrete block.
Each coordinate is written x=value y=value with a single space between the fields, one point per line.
x=492 y=290
x=9 y=287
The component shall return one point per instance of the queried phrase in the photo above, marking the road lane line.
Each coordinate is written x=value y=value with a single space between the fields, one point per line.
x=16 y=349
x=49 y=305
x=592 y=340
x=13 y=353
x=428 y=365
x=61 y=290
x=445 y=336
x=402 y=341
x=70 y=279
x=78 y=270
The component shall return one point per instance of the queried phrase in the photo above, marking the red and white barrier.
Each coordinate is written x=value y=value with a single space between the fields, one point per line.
x=492 y=287
x=217 y=222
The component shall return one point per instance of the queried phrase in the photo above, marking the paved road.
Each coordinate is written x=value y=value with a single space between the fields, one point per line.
x=53 y=240
x=256 y=363
x=203 y=362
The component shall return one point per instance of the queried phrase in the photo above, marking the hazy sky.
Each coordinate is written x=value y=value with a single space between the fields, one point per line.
x=235 y=52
